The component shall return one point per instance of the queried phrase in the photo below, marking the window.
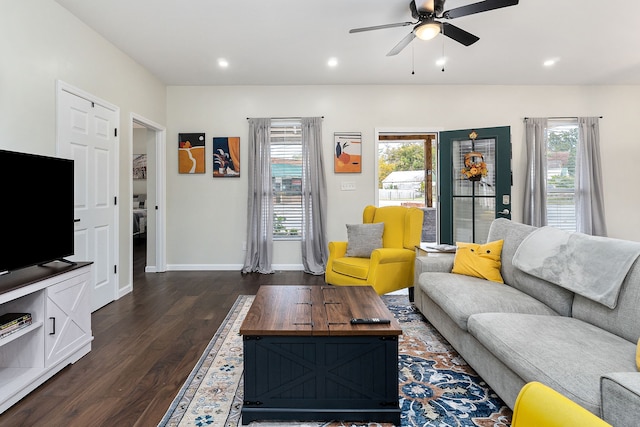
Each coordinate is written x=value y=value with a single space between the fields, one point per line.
x=562 y=141
x=286 y=178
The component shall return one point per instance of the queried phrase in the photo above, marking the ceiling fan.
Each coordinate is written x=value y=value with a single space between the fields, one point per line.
x=427 y=25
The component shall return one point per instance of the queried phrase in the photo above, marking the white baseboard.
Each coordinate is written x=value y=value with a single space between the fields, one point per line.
x=204 y=267
x=228 y=267
x=124 y=291
x=288 y=267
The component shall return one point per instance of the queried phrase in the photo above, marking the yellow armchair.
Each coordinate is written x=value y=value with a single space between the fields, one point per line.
x=390 y=267
x=538 y=405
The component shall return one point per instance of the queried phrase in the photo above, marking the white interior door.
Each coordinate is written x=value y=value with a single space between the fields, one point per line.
x=87 y=133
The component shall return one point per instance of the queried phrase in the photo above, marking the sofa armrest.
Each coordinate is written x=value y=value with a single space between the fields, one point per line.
x=337 y=249
x=539 y=405
x=442 y=263
x=620 y=396
x=387 y=255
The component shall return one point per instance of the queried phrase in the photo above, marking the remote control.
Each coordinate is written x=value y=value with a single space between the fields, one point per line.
x=373 y=320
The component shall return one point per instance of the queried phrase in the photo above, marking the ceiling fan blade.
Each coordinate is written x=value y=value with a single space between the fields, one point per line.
x=380 y=27
x=458 y=34
x=482 y=6
x=403 y=43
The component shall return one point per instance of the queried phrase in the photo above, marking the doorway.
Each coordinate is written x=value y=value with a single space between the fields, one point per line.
x=407 y=173
x=87 y=133
x=147 y=181
x=456 y=208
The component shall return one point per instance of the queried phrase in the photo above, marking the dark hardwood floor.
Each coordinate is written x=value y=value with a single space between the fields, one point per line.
x=145 y=344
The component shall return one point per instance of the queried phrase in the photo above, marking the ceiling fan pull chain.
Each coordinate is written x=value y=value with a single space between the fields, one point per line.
x=444 y=59
x=413 y=61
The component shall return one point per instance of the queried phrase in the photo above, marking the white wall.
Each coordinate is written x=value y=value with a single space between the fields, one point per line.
x=40 y=42
x=207 y=216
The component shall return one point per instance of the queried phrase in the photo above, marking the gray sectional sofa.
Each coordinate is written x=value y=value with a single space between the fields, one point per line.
x=529 y=329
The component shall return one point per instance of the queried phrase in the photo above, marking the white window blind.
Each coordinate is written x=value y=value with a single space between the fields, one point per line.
x=562 y=141
x=286 y=178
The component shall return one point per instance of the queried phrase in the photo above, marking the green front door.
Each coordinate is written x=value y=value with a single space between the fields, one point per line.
x=468 y=202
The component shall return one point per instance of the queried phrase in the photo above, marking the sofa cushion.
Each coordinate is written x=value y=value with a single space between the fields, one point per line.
x=479 y=260
x=462 y=296
x=352 y=266
x=567 y=354
x=362 y=239
x=624 y=320
x=513 y=233
x=556 y=297
x=574 y=261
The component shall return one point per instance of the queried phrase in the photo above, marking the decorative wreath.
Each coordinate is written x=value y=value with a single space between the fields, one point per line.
x=474 y=166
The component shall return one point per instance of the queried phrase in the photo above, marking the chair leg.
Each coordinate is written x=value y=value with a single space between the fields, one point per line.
x=411 y=294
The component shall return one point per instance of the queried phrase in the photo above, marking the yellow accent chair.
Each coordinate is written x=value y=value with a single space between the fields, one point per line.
x=390 y=267
x=538 y=405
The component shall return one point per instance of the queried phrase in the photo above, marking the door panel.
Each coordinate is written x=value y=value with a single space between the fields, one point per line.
x=86 y=134
x=468 y=207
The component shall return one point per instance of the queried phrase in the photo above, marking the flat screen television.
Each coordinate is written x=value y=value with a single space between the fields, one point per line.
x=36 y=209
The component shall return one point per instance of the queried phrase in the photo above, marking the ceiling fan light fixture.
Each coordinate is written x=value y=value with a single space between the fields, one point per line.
x=427 y=30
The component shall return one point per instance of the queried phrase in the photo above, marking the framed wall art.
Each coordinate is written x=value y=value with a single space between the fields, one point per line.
x=191 y=153
x=139 y=166
x=347 y=156
x=226 y=157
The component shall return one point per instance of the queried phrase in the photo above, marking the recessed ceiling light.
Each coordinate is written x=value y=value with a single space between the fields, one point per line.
x=333 y=62
x=223 y=63
x=550 y=62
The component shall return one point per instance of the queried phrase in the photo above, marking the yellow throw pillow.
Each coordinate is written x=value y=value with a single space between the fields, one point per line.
x=638 y=356
x=483 y=261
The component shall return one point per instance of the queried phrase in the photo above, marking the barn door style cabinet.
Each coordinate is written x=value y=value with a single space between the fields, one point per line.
x=57 y=297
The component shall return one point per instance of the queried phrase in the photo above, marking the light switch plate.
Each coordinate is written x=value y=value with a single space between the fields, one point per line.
x=347 y=186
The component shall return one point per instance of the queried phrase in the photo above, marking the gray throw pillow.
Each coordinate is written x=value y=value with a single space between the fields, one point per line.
x=362 y=239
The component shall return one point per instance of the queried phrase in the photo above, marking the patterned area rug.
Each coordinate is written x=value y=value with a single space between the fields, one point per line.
x=437 y=387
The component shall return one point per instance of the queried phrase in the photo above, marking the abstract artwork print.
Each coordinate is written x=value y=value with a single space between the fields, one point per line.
x=226 y=157
x=191 y=153
x=347 y=156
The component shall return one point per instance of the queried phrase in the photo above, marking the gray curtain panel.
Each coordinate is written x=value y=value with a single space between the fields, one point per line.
x=535 y=190
x=260 y=210
x=314 y=198
x=589 y=190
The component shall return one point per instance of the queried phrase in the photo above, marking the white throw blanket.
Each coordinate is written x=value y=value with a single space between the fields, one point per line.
x=591 y=266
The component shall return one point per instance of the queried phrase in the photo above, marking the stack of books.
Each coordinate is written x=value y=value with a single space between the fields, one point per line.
x=13 y=322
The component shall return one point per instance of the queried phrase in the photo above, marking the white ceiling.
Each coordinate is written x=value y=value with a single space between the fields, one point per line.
x=288 y=42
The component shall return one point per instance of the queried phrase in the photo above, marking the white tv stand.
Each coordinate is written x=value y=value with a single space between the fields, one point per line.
x=57 y=296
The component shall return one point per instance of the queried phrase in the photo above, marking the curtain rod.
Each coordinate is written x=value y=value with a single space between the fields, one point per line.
x=560 y=117
x=285 y=118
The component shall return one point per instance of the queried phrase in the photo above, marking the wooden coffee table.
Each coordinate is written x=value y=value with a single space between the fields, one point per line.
x=304 y=360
